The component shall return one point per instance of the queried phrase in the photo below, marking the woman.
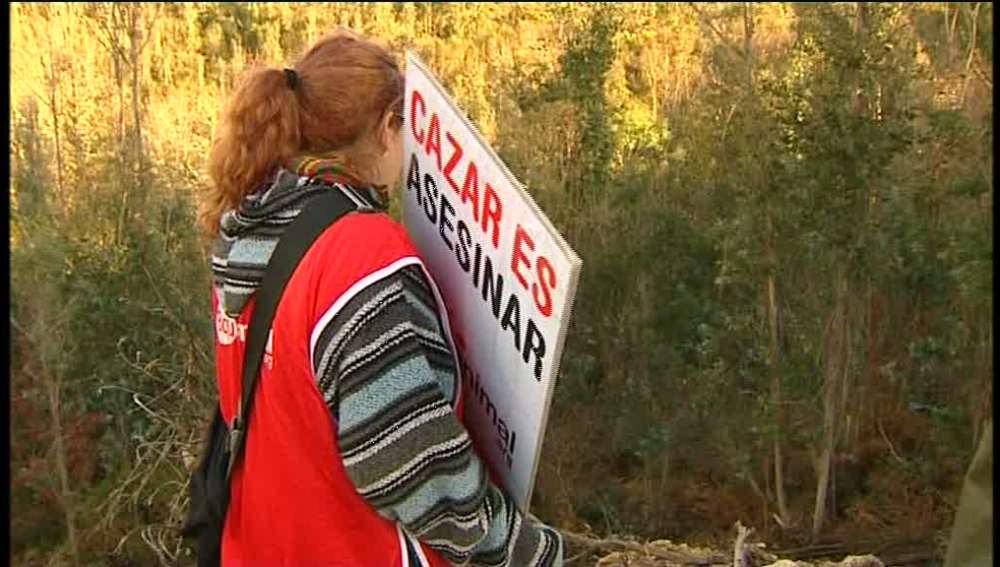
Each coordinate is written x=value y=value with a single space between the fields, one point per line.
x=357 y=455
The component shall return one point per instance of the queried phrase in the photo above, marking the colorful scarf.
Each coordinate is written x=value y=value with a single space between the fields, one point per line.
x=333 y=168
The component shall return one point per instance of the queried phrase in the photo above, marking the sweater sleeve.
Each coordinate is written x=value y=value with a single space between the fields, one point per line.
x=389 y=378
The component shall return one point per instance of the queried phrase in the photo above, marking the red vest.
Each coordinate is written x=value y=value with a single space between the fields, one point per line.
x=291 y=502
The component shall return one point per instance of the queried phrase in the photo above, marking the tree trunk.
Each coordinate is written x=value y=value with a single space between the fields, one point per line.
x=837 y=349
x=771 y=299
x=951 y=31
x=837 y=345
x=110 y=26
x=121 y=151
x=135 y=61
x=53 y=95
x=867 y=393
x=52 y=386
x=748 y=40
x=972 y=52
x=42 y=338
x=31 y=198
x=119 y=71
x=773 y=359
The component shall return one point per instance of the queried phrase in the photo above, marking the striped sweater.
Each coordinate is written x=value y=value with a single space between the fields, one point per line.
x=387 y=373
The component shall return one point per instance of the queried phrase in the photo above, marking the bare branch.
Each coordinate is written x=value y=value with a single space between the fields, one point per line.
x=892 y=449
x=109 y=40
x=979 y=72
x=972 y=51
x=722 y=38
x=152 y=25
x=741 y=553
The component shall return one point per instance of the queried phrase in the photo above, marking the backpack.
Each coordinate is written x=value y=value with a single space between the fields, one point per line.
x=223 y=445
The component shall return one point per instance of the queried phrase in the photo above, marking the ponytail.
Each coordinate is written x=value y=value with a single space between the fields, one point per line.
x=259 y=131
x=335 y=95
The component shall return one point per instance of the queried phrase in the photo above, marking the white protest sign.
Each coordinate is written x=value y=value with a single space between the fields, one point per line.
x=506 y=275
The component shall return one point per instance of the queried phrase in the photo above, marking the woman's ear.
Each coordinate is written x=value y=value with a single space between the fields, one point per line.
x=385 y=132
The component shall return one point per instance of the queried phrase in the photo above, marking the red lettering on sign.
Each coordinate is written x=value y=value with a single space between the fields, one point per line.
x=541 y=288
x=455 y=156
x=433 y=143
x=492 y=209
x=417 y=99
x=519 y=257
x=490 y=214
x=470 y=188
x=547 y=277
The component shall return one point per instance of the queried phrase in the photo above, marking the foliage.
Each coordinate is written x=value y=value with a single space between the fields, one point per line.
x=691 y=154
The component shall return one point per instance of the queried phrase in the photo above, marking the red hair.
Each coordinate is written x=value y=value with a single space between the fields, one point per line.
x=345 y=84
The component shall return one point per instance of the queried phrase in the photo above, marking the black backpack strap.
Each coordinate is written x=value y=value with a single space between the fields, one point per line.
x=316 y=215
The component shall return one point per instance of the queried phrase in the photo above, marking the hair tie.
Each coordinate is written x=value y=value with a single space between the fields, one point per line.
x=291 y=78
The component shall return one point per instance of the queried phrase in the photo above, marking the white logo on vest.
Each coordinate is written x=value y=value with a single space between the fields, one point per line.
x=227 y=329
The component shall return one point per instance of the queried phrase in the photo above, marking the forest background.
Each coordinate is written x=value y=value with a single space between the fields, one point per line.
x=784 y=211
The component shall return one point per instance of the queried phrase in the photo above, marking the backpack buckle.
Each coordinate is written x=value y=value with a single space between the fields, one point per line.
x=233 y=441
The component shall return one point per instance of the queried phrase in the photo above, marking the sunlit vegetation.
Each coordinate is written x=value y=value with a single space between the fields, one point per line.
x=784 y=211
